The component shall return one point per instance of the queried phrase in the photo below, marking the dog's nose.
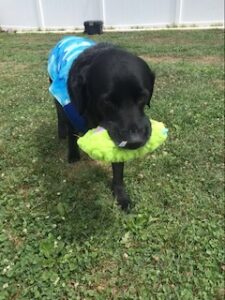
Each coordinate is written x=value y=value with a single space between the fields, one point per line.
x=135 y=141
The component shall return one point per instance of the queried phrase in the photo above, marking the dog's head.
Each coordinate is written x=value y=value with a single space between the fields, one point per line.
x=122 y=111
x=118 y=86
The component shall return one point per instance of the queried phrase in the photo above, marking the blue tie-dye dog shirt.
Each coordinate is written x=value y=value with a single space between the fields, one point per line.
x=59 y=63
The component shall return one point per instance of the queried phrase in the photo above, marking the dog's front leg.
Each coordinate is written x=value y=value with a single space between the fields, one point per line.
x=118 y=187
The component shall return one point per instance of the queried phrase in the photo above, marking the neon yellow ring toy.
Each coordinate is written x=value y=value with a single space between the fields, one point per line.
x=99 y=146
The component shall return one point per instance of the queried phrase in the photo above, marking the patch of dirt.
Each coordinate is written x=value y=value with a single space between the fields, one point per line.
x=159 y=59
x=13 y=67
x=220 y=84
x=208 y=60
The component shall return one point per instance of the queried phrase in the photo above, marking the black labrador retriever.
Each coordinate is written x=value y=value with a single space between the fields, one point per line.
x=110 y=87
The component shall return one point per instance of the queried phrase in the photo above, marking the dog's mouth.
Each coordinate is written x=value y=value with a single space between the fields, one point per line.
x=128 y=139
x=134 y=145
x=122 y=144
x=131 y=145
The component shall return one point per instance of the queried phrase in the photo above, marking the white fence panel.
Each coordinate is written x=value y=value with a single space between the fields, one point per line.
x=70 y=14
x=139 y=12
x=202 y=11
x=19 y=14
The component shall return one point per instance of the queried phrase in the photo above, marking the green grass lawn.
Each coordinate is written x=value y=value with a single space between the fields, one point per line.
x=62 y=235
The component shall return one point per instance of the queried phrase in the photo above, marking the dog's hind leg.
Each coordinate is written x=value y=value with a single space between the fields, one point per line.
x=61 y=117
x=65 y=129
x=62 y=121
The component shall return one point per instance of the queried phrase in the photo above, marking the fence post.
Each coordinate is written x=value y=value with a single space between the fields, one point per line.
x=178 y=13
x=103 y=12
x=41 y=14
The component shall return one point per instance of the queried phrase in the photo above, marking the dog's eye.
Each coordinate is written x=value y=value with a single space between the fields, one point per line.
x=106 y=104
x=142 y=102
x=143 y=98
x=106 y=101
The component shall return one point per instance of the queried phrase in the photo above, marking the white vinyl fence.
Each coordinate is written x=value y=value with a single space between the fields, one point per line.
x=70 y=14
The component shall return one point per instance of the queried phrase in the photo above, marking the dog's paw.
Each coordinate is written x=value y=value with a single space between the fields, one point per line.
x=122 y=197
x=124 y=203
x=73 y=158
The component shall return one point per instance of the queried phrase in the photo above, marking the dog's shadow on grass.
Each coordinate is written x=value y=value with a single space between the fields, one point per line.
x=77 y=196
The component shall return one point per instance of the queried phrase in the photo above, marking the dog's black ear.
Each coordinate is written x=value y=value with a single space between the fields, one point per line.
x=83 y=97
x=77 y=89
x=150 y=87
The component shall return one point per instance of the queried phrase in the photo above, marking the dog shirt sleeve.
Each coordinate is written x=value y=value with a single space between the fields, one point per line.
x=59 y=63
